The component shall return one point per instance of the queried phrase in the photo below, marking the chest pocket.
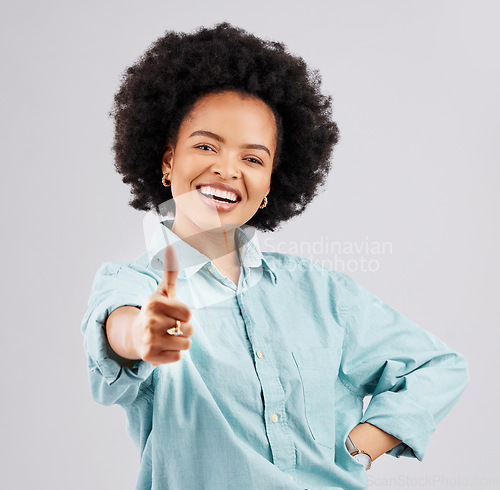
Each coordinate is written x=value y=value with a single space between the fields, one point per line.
x=318 y=370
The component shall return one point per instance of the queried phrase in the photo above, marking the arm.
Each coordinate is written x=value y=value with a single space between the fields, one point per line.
x=413 y=377
x=372 y=440
x=123 y=343
x=114 y=379
x=118 y=325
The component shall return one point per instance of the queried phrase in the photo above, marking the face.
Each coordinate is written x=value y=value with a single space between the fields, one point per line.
x=220 y=167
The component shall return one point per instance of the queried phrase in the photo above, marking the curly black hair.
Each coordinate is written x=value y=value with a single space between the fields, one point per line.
x=161 y=88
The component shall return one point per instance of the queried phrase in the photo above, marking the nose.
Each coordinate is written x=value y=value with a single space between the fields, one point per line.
x=227 y=167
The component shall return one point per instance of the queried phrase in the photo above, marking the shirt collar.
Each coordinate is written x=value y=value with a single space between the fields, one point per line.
x=191 y=260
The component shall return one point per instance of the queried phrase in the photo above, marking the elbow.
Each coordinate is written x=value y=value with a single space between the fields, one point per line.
x=118 y=392
x=456 y=378
x=454 y=371
x=101 y=392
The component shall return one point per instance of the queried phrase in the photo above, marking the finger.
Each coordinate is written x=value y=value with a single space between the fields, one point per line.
x=170 y=342
x=165 y=357
x=164 y=342
x=175 y=331
x=162 y=309
x=186 y=329
x=170 y=272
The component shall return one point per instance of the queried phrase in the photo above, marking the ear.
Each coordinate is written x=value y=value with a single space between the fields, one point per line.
x=168 y=159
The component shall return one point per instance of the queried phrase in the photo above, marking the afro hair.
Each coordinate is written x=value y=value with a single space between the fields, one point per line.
x=161 y=88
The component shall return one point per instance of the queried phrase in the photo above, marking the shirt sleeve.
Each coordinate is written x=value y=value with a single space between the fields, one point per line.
x=413 y=377
x=112 y=379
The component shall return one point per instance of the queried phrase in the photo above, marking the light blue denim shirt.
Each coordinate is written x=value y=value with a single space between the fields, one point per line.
x=276 y=375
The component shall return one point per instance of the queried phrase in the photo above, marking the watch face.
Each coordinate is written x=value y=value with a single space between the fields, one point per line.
x=364 y=459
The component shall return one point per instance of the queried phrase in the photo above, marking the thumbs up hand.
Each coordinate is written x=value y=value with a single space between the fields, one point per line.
x=159 y=314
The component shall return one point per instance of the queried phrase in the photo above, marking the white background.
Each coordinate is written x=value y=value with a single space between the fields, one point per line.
x=415 y=89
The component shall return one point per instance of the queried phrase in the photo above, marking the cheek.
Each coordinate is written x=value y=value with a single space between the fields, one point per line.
x=256 y=194
x=184 y=169
x=257 y=181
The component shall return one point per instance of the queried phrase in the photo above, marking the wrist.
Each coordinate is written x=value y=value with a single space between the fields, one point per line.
x=372 y=440
x=359 y=455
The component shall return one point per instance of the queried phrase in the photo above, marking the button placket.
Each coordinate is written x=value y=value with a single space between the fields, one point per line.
x=278 y=432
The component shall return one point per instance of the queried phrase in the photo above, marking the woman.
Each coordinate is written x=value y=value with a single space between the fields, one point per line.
x=237 y=368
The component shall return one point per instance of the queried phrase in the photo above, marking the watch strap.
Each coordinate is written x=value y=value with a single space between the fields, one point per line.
x=350 y=445
x=354 y=451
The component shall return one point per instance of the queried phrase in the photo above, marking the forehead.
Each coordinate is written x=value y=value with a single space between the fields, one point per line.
x=232 y=110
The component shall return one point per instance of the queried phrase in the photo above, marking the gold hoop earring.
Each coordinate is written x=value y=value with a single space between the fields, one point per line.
x=164 y=181
x=264 y=203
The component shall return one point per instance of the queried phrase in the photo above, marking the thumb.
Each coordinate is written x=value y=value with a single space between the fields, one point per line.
x=170 y=272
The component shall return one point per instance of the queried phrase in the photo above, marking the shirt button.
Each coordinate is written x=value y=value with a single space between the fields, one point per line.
x=274 y=418
x=259 y=354
x=290 y=476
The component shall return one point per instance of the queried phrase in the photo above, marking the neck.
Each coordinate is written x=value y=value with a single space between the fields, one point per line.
x=217 y=244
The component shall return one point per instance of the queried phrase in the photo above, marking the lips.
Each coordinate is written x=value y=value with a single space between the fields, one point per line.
x=219 y=191
x=222 y=197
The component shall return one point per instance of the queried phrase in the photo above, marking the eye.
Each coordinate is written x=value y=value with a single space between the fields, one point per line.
x=204 y=147
x=254 y=160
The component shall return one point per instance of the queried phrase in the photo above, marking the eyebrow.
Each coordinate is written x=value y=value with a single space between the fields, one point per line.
x=220 y=139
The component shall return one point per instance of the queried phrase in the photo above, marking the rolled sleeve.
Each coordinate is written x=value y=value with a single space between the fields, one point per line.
x=413 y=377
x=113 y=379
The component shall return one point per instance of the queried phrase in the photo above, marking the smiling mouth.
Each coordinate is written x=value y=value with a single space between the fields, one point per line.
x=218 y=194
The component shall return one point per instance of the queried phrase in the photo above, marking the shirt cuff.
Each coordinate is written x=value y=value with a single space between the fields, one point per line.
x=399 y=415
x=106 y=360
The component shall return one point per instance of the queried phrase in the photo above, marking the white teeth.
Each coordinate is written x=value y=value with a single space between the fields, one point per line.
x=213 y=191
